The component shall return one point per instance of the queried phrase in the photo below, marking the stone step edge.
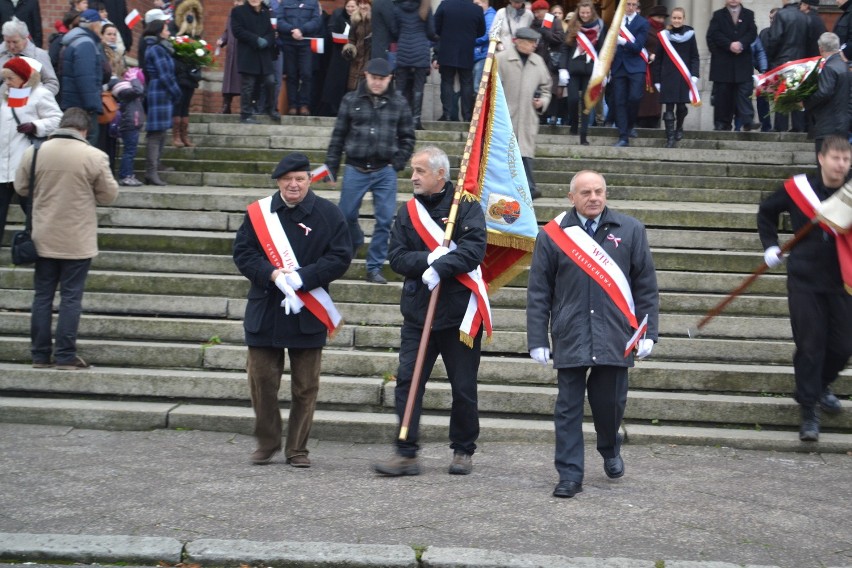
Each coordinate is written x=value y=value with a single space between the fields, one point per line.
x=375 y=428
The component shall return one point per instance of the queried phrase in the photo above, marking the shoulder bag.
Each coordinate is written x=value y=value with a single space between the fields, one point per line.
x=23 y=247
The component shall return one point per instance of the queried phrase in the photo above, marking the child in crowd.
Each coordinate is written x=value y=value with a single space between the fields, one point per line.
x=129 y=92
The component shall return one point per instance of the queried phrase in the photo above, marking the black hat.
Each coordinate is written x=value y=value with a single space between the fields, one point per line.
x=527 y=33
x=379 y=66
x=292 y=163
x=658 y=11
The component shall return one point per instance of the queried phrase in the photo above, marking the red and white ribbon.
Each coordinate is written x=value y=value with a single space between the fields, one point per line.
x=626 y=34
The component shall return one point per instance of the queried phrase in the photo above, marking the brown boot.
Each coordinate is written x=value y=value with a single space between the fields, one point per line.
x=184 y=132
x=176 y=138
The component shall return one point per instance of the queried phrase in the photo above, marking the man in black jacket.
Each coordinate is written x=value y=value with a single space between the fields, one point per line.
x=729 y=38
x=375 y=129
x=291 y=245
x=788 y=41
x=828 y=107
x=820 y=307
x=417 y=254
x=843 y=27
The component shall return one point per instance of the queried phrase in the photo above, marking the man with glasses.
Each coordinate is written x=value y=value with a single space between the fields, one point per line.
x=628 y=71
x=729 y=37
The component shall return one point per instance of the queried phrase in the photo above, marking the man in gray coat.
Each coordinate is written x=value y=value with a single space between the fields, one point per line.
x=592 y=283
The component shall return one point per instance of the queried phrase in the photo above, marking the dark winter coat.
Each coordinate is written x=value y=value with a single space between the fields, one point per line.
x=29 y=12
x=816 y=27
x=162 y=87
x=829 y=106
x=726 y=66
x=575 y=60
x=301 y=15
x=458 y=23
x=374 y=131
x=248 y=26
x=788 y=36
x=82 y=70
x=551 y=40
x=324 y=254
x=407 y=256
x=586 y=326
x=385 y=30
x=337 y=75
x=843 y=29
x=414 y=47
x=812 y=264
x=673 y=87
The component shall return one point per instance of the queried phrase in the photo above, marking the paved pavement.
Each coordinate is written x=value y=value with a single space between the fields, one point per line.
x=141 y=497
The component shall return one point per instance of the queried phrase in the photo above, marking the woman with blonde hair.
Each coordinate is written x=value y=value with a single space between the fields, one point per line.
x=583 y=39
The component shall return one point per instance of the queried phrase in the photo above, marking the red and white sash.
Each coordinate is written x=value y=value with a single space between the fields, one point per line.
x=478 y=308
x=585 y=45
x=278 y=250
x=803 y=195
x=694 y=97
x=588 y=255
x=628 y=35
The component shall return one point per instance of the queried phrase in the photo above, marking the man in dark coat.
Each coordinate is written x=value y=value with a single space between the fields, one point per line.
x=828 y=107
x=28 y=11
x=843 y=28
x=424 y=262
x=816 y=27
x=291 y=245
x=252 y=27
x=590 y=319
x=458 y=23
x=297 y=20
x=787 y=41
x=628 y=72
x=384 y=30
x=820 y=307
x=729 y=37
x=82 y=69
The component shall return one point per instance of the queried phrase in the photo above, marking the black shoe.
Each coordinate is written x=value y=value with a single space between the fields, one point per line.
x=275 y=115
x=443 y=118
x=249 y=120
x=679 y=134
x=622 y=143
x=567 y=489
x=614 y=467
x=809 y=431
x=830 y=403
x=418 y=126
x=633 y=133
x=375 y=277
x=462 y=464
x=751 y=126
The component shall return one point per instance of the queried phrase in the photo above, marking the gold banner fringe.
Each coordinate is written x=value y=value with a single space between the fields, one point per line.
x=512 y=241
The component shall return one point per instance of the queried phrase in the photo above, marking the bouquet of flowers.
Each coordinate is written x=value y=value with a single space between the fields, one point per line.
x=193 y=51
x=786 y=86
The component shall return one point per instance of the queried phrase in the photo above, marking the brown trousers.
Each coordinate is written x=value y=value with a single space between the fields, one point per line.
x=265 y=365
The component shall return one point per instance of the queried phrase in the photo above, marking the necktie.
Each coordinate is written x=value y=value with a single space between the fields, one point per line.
x=626 y=21
x=589 y=228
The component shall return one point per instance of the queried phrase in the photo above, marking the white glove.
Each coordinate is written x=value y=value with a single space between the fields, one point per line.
x=657 y=86
x=694 y=80
x=430 y=278
x=773 y=257
x=436 y=254
x=644 y=347
x=540 y=355
x=564 y=77
x=294 y=280
x=291 y=302
x=621 y=41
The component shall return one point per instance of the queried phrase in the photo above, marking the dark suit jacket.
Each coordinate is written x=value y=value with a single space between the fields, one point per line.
x=829 y=105
x=458 y=23
x=726 y=66
x=628 y=58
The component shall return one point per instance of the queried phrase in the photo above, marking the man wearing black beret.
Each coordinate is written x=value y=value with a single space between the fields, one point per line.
x=291 y=246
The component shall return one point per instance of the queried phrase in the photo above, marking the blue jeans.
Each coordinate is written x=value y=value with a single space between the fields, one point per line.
x=383 y=185
x=130 y=142
x=70 y=277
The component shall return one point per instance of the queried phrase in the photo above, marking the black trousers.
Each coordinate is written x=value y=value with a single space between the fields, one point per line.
x=448 y=79
x=462 y=364
x=732 y=100
x=822 y=330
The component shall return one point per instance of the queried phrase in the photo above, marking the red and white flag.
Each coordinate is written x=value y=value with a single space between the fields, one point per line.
x=321 y=173
x=19 y=97
x=548 y=21
x=317 y=44
x=133 y=18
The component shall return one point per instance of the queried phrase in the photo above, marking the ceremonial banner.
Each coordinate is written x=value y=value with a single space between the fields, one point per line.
x=495 y=175
x=603 y=63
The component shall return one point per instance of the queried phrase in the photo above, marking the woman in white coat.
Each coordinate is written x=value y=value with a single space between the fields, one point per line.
x=37 y=117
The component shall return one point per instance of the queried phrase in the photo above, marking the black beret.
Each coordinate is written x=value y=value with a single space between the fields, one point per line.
x=294 y=162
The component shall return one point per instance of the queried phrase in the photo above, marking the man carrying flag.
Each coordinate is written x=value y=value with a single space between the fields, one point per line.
x=819 y=279
x=291 y=246
x=592 y=283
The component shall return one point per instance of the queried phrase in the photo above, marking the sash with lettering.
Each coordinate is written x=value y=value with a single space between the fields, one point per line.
x=478 y=308
x=600 y=267
x=628 y=35
x=694 y=97
x=803 y=195
x=280 y=253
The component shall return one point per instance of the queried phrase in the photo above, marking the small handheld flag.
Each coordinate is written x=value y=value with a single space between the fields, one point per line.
x=317 y=44
x=133 y=18
x=548 y=21
x=18 y=97
x=321 y=174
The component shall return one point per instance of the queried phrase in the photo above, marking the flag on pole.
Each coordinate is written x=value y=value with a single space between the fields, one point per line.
x=495 y=175
x=133 y=18
x=603 y=63
x=548 y=21
x=18 y=97
x=317 y=44
x=321 y=173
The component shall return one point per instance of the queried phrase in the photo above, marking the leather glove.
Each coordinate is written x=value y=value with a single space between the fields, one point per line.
x=773 y=257
x=621 y=41
x=291 y=302
x=436 y=254
x=26 y=128
x=564 y=77
x=262 y=43
x=644 y=347
x=294 y=280
x=430 y=278
x=540 y=355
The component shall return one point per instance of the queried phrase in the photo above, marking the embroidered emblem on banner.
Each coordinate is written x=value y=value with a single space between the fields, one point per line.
x=503 y=209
